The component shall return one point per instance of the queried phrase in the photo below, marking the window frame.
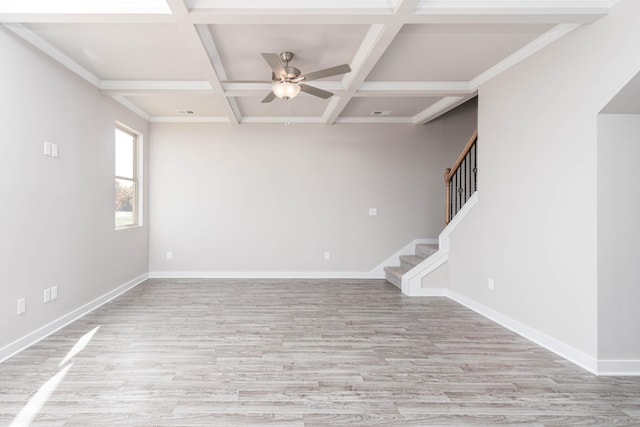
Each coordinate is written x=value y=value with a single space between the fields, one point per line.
x=136 y=177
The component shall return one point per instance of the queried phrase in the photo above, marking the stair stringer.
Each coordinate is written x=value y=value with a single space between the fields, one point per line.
x=412 y=279
x=408 y=249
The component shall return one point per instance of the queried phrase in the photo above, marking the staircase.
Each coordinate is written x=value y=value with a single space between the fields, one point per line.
x=407 y=262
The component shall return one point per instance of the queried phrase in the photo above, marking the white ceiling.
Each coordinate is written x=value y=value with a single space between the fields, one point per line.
x=413 y=59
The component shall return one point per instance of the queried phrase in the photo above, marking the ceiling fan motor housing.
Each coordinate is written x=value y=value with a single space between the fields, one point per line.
x=291 y=73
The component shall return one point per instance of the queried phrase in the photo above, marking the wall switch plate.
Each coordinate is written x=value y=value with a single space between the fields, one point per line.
x=327 y=256
x=54 y=292
x=54 y=150
x=22 y=306
x=169 y=255
x=490 y=284
x=373 y=211
x=47 y=149
x=47 y=295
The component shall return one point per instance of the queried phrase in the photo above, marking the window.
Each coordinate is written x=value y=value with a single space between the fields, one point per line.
x=126 y=178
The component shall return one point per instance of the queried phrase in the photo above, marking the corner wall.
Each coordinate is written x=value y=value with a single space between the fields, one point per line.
x=534 y=230
x=618 y=238
x=57 y=215
x=270 y=200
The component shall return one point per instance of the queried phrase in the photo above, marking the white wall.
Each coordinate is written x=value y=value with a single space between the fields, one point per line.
x=534 y=230
x=618 y=237
x=57 y=214
x=270 y=198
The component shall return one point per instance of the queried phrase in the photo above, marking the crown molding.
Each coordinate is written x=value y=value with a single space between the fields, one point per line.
x=523 y=53
x=53 y=53
x=131 y=106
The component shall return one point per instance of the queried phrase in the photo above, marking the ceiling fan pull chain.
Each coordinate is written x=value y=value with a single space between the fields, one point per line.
x=286 y=112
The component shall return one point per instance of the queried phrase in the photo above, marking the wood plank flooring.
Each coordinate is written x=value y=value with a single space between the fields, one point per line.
x=299 y=353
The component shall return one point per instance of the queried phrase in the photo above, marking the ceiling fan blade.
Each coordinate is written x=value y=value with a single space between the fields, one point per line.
x=315 y=91
x=268 y=98
x=327 y=72
x=273 y=59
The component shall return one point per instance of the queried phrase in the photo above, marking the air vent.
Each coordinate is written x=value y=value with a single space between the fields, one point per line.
x=185 y=112
x=380 y=113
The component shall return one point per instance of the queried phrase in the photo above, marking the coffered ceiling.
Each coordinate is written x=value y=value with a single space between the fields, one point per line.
x=411 y=60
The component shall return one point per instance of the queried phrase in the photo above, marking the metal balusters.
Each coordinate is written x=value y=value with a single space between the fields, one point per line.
x=462 y=180
x=475 y=166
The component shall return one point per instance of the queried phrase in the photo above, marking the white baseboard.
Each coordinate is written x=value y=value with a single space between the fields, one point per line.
x=263 y=275
x=577 y=357
x=563 y=350
x=430 y=292
x=613 y=368
x=591 y=364
x=376 y=273
x=595 y=366
x=30 y=339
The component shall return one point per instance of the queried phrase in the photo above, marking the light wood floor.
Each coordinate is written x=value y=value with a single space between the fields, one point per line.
x=300 y=353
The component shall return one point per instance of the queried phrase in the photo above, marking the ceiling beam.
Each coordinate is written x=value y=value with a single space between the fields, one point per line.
x=339 y=12
x=86 y=18
x=444 y=105
x=524 y=52
x=289 y=4
x=319 y=17
x=415 y=89
x=199 y=40
x=145 y=87
x=448 y=103
x=374 y=45
x=509 y=11
x=132 y=107
x=385 y=19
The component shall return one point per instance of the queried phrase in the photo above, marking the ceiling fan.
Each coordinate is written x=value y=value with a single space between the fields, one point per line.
x=288 y=81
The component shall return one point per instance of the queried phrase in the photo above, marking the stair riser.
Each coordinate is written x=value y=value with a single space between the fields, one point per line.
x=407 y=265
x=394 y=280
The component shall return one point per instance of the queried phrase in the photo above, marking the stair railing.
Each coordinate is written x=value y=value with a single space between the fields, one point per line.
x=462 y=179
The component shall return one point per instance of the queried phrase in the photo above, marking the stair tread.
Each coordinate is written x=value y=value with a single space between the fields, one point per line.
x=412 y=259
x=393 y=274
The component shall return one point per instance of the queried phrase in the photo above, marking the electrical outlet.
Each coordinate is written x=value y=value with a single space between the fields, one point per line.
x=22 y=306
x=490 y=284
x=47 y=295
x=54 y=292
x=373 y=211
x=169 y=255
x=327 y=256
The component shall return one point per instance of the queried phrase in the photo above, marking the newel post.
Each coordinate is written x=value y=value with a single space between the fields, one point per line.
x=447 y=180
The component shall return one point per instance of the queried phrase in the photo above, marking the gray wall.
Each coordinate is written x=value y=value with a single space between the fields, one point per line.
x=618 y=237
x=270 y=198
x=534 y=230
x=57 y=215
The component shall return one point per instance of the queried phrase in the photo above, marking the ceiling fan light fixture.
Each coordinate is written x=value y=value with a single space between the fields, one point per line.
x=285 y=90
